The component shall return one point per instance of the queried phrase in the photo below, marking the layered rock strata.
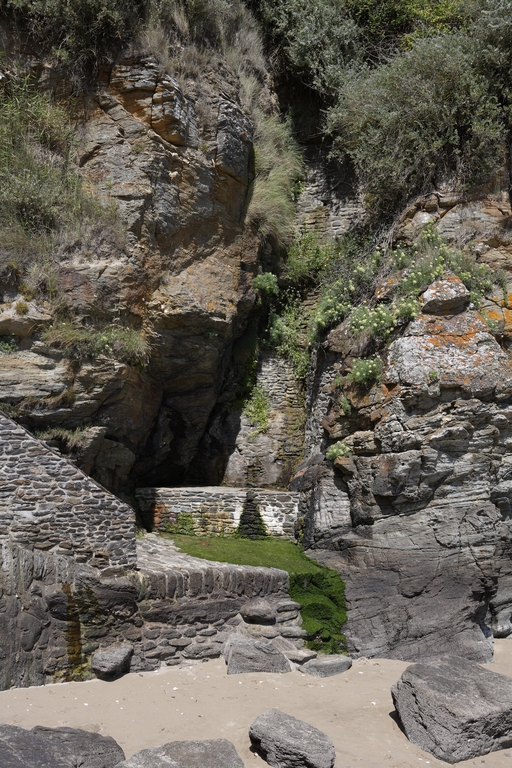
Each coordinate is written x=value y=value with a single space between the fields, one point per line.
x=174 y=159
x=417 y=518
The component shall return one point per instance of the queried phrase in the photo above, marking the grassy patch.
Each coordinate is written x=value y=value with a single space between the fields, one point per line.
x=44 y=206
x=319 y=590
x=125 y=344
x=256 y=408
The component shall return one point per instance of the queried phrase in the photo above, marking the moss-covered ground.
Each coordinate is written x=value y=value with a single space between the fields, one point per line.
x=319 y=590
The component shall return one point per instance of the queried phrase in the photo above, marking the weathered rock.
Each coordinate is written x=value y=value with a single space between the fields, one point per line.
x=286 y=742
x=258 y=612
x=454 y=709
x=82 y=749
x=420 y=529
x=446 y=294
x=20 y=748
x=112 y=662
x=245 y=655
x=210 y=753
x=327 y=666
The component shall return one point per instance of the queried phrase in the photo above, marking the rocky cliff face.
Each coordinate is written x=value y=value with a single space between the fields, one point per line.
x=176 y=161
x=417 y=518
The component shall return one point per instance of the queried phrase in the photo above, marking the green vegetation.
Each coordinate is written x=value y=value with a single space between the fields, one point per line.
x=7 y=345
x=125 y=344
x=184 y=525
x=69 y=440
x=44 y=206
x=251 y=524
x=413 y=90
x=256 y=408
x=319 y=590
x=336 y=451
x=79 y=33
x=365 y=372
x=266 y=284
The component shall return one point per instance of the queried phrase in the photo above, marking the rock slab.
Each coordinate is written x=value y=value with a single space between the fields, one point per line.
x=209 y=753
x=286 y=742
x=20 y=748
x=112 y=662
x=327 y=666
x=243 y=654
x=81 y=749
x=454 y=709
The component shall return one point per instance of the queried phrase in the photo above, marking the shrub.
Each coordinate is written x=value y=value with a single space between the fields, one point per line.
x=125 y=344
x=307 y=256
x=7 y=345
x=424 y=115
x=365 y=371
x=335 y=451
x=345 y=406
x=266 y=284
x=288 y=336
x=81 y=33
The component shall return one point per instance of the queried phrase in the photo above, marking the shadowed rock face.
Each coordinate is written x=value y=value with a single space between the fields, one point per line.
x=176 y=162
x=417 y=520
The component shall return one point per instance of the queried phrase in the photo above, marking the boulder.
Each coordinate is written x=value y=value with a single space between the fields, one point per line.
x=446 y=294
x=286 y=742
x=112 y=662
x=82 y=748
x=326 y=666
x=258 y=611
x=245 y=655
x=454 y=709
x=210 y=753
x=20 y=749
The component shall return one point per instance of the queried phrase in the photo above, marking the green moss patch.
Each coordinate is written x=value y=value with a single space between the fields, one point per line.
x=319 y=590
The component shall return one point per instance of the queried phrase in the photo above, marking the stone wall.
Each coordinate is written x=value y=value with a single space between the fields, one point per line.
x=47 y=504
x=328 y=203
x=55 y=613
x=269 y=457
x=216 y=510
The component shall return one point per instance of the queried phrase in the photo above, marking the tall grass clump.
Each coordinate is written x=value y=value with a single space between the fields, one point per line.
x=43 y=202
x=201 y=29
x=128 y=345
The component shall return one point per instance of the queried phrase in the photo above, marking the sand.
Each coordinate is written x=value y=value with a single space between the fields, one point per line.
x=202 y=702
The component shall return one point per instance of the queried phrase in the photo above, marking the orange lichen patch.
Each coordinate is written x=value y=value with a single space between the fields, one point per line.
x=385 y=289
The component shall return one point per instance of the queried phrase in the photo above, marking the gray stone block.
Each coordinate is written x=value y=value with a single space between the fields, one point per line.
x=210 y=753
x=327 y=666
x=286 y=742
x=245 y=655
x=84 y=749
x=112 y=662
x=22 y=749
x=454 y=708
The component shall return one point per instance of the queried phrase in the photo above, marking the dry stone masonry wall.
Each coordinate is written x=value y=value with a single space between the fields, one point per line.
x=217 y=510
x=72 y=581
x=46 y=504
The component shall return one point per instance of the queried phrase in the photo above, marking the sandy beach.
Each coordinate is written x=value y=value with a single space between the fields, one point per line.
x=202 y=702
